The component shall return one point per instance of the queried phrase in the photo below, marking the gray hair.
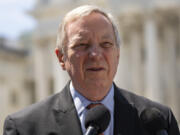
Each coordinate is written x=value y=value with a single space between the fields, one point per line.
x=79 y=12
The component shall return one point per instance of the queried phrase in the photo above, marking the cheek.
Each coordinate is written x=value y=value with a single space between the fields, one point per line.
x=73 y=57
x=77 y=60
x=77 y=55
x=115 y=57
x=113 y=62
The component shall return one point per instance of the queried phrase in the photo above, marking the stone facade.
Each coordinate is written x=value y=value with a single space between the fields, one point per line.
x=149 y=56
x=16 y=85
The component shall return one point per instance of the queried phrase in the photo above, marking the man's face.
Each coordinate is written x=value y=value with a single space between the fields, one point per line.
x=91 y=55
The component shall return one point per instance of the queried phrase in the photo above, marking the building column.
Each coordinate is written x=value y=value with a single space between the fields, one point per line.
x=153 y=63
x=168 y=24
x=41 y=65
x=131 y=74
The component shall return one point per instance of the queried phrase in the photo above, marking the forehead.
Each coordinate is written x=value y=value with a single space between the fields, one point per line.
x=94 y=22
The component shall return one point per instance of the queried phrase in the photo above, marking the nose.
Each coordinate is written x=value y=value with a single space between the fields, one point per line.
x=95 y=52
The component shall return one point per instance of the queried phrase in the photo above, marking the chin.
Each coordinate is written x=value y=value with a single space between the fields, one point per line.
x=98 y=83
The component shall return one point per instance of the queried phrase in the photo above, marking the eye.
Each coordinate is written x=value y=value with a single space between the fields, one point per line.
x=81 y=46
x=106 y=44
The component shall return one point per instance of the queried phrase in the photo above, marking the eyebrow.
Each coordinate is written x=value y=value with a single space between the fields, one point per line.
x=80 y=36
x=107 y=36
x=76 y=38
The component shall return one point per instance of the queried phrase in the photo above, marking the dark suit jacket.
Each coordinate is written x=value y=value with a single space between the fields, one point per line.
x=57 y=115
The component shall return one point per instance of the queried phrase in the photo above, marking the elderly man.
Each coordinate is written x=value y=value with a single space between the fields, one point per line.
x=88 y=49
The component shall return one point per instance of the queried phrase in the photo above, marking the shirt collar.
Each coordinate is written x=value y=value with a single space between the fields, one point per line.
x=81 y=102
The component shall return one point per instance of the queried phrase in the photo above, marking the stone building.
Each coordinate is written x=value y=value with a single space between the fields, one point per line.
x=149 y=61
x=16 y=82
x=149 y=55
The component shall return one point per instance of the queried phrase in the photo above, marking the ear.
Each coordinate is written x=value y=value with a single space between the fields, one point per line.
x=61 y=58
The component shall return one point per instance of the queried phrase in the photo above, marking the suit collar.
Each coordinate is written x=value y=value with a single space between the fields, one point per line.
x=67 y=118
x=66 y=114
x=64 y=102
x=123 y=115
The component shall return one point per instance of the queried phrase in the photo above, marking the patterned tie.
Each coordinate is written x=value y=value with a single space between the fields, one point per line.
x=91 y=106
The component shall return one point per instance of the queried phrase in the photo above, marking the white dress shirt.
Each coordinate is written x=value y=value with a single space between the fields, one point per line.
x=81 y=103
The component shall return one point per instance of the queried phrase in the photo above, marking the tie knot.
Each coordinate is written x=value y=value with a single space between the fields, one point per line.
x=92 y=105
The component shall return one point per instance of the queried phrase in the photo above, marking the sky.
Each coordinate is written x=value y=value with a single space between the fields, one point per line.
x=14 y=18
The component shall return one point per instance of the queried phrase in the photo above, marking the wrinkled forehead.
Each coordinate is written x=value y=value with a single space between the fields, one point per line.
x=94 y=23
x=90 y=22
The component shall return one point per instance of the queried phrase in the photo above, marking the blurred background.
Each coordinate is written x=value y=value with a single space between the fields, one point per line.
x=149 y=58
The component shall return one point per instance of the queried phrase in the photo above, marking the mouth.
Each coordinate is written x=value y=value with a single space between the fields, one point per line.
x=95 y=69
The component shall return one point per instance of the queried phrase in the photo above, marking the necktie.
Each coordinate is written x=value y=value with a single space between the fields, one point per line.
x=91 y=106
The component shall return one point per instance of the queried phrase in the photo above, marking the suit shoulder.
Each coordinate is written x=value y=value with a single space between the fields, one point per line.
x=141 y=102
x=36 y=110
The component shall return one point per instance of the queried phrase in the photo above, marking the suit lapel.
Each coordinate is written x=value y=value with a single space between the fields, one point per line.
x=66 y=115
x=123 y=116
